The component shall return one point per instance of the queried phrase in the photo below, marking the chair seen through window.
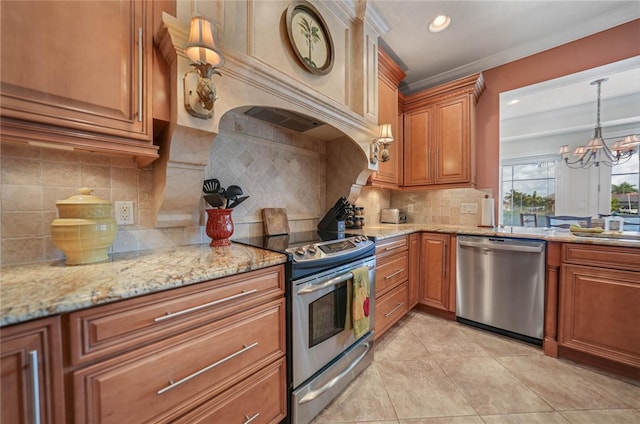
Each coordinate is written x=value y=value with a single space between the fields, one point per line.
x=528 y=220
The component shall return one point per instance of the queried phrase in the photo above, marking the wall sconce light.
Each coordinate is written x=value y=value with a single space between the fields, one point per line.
x=199 y=90
x=385 y=138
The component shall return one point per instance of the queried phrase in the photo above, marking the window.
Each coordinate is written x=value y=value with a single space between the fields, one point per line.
x=625 y=181
x=528 y=187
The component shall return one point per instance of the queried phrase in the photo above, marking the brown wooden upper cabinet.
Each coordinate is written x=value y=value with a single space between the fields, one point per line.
x=439 y=134
x=389 y=76
x=77 y=74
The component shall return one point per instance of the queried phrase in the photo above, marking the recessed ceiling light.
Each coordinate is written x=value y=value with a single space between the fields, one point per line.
x=440 y=23
x=514 y=101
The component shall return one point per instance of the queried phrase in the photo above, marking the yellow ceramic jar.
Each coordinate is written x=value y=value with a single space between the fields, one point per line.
x=85 y=228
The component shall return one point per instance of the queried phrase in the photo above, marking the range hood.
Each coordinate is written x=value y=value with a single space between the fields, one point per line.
x=284 y=118
x=289 y=98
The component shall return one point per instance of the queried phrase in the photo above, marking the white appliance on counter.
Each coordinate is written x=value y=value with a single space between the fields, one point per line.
x=393 y=216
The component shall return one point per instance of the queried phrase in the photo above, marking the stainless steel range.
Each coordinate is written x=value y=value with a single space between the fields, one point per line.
x=325 y=355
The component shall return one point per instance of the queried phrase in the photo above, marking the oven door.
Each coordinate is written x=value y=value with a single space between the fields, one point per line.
x=321 y=306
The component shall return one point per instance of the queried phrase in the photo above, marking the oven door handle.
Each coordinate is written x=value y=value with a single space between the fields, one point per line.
x=330 y=282
x=314 y=394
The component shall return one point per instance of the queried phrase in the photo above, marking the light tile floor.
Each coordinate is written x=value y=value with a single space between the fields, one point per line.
x=429 y=370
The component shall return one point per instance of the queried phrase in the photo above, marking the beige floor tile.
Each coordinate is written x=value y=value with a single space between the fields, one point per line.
x=400 y=344
x=448 y=341
x=359 y=422
x=627 y=391
x=617 y=416
x=490 y=388
x=364 y=400
x=559 y=384
x=470 y=419
x=420 y=389
x=420 y=320
x=497 y=345
x=529 y=418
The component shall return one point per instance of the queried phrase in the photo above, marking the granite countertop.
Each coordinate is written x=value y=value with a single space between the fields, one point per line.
x=385 y=231
x=49 y=288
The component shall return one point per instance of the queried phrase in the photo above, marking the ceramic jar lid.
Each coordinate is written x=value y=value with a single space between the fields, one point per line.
x=85 y=197
x=84 y=205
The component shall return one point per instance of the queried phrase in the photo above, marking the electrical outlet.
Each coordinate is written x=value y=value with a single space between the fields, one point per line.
x=468 y=208
x=124 y=212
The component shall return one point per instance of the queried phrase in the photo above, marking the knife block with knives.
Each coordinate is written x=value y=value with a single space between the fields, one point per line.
x=335 y=217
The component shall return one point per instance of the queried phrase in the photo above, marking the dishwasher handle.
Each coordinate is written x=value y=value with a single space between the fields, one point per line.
x=487 y=246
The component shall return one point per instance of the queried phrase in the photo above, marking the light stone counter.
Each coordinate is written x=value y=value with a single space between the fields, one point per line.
x=385 y=231
x=49 y=288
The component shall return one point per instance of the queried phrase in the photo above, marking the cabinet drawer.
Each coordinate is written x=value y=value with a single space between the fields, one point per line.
x=391 y=271
x=603 y=256
x=113 y=328
x=160 y=381
x=391 y=307
x=262 y=396
x=391 y=246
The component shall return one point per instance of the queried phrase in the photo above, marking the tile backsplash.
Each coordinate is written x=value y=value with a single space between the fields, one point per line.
x=423 y=207
x=275 y=167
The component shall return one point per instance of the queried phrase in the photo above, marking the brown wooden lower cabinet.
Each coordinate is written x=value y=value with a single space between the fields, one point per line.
x=598 y=308
x=258 y=399
x=435 y=261
x=392 y=282
x=414 y=269
x=215 y=352
x=600 y=313
x=31 y=386
x=393 y=306
x=174 y=375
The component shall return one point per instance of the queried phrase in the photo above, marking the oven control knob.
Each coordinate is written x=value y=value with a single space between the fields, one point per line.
x=311 y=250
x=300 y=251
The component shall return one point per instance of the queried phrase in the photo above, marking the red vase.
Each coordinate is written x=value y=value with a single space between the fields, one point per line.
x=219 y=226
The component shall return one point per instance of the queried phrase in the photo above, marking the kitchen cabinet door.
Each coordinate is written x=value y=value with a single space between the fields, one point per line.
x=78 y=76
x=439 y=148
x=31 y=386
x=389 y=76
x=599 y=314
x=434 y=270
x=418 y=131
x=452 y=142
x=414 y=269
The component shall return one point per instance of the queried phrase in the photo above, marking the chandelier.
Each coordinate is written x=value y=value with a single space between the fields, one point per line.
x=597 y=152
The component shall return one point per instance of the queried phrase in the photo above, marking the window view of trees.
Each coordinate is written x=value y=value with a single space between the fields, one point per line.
x=528 y=189
x=624 y=187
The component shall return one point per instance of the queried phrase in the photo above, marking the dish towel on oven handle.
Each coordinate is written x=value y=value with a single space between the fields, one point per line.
x=360 y=301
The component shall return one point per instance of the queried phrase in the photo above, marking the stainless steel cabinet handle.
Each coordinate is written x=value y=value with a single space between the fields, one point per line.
x=35 y=385
x=205 y=369
x=444 y=259
x=249 y=419
x=140 y=74
x=391 y=312
x=393 y=248
x=318 y=392
x=170 y=315
x=394 y=274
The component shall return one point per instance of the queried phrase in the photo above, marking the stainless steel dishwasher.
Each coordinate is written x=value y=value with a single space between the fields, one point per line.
x=500 y=285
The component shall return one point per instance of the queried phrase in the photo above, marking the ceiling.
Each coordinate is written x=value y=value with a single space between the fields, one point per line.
x=486 y=34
